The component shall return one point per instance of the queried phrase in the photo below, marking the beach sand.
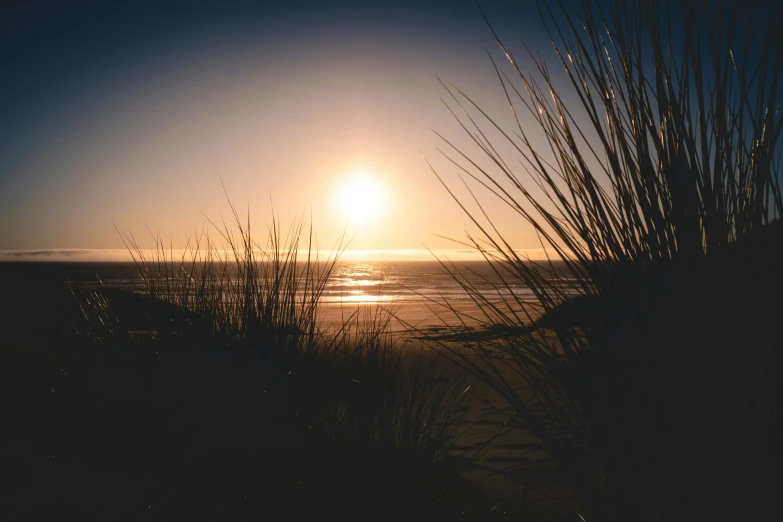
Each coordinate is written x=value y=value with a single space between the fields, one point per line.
x=411 y=324
x=421 y=316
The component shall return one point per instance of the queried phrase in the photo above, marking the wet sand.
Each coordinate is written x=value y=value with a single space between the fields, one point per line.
x=413 y=317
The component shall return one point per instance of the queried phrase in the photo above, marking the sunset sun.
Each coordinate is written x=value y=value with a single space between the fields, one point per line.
x=361 y=199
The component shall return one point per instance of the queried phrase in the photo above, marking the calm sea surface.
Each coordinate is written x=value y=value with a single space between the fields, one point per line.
x=350 y=282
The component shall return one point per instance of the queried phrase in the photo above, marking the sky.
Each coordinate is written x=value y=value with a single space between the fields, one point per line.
x=152 y=116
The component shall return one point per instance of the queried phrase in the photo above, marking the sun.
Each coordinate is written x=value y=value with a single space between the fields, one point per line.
x=361 y=199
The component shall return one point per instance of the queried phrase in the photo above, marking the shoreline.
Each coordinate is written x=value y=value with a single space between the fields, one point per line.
x=413 y=316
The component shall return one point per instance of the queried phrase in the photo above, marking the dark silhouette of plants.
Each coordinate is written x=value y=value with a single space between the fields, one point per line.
x=658 y=189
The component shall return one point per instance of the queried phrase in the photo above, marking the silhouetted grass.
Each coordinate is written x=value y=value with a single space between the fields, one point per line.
x=387 y=415
x=263 y=298
x=258 y=305
x=658 y=390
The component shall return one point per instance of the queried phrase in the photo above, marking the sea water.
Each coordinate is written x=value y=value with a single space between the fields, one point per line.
x=348 y=281
x=416 y=290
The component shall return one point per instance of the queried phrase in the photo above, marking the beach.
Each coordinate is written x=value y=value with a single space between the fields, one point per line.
x=33 y=301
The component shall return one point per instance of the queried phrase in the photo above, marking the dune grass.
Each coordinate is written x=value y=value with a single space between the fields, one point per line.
x=252 y=310
x=659 y=189
x=260 y=297
x=258 y=305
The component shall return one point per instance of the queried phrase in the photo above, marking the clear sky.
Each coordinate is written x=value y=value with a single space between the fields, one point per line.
x=133 y=115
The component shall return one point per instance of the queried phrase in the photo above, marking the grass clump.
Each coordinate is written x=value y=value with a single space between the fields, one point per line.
x=254 y=310
x=260 y=299
x=656 y=390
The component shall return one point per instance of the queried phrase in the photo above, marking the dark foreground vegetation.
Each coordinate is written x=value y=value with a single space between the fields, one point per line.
x=658 y=396
x=147 y=415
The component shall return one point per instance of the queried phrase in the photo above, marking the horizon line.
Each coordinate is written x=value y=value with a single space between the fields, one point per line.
x=109 y=255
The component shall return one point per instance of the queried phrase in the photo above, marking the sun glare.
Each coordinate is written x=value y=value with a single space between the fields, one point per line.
x=361 y=199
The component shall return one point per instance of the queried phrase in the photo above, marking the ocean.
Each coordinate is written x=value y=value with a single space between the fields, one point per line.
x=414 y=289
x=350 y=281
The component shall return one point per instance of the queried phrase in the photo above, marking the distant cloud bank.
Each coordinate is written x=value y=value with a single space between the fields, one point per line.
x=66 y=254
